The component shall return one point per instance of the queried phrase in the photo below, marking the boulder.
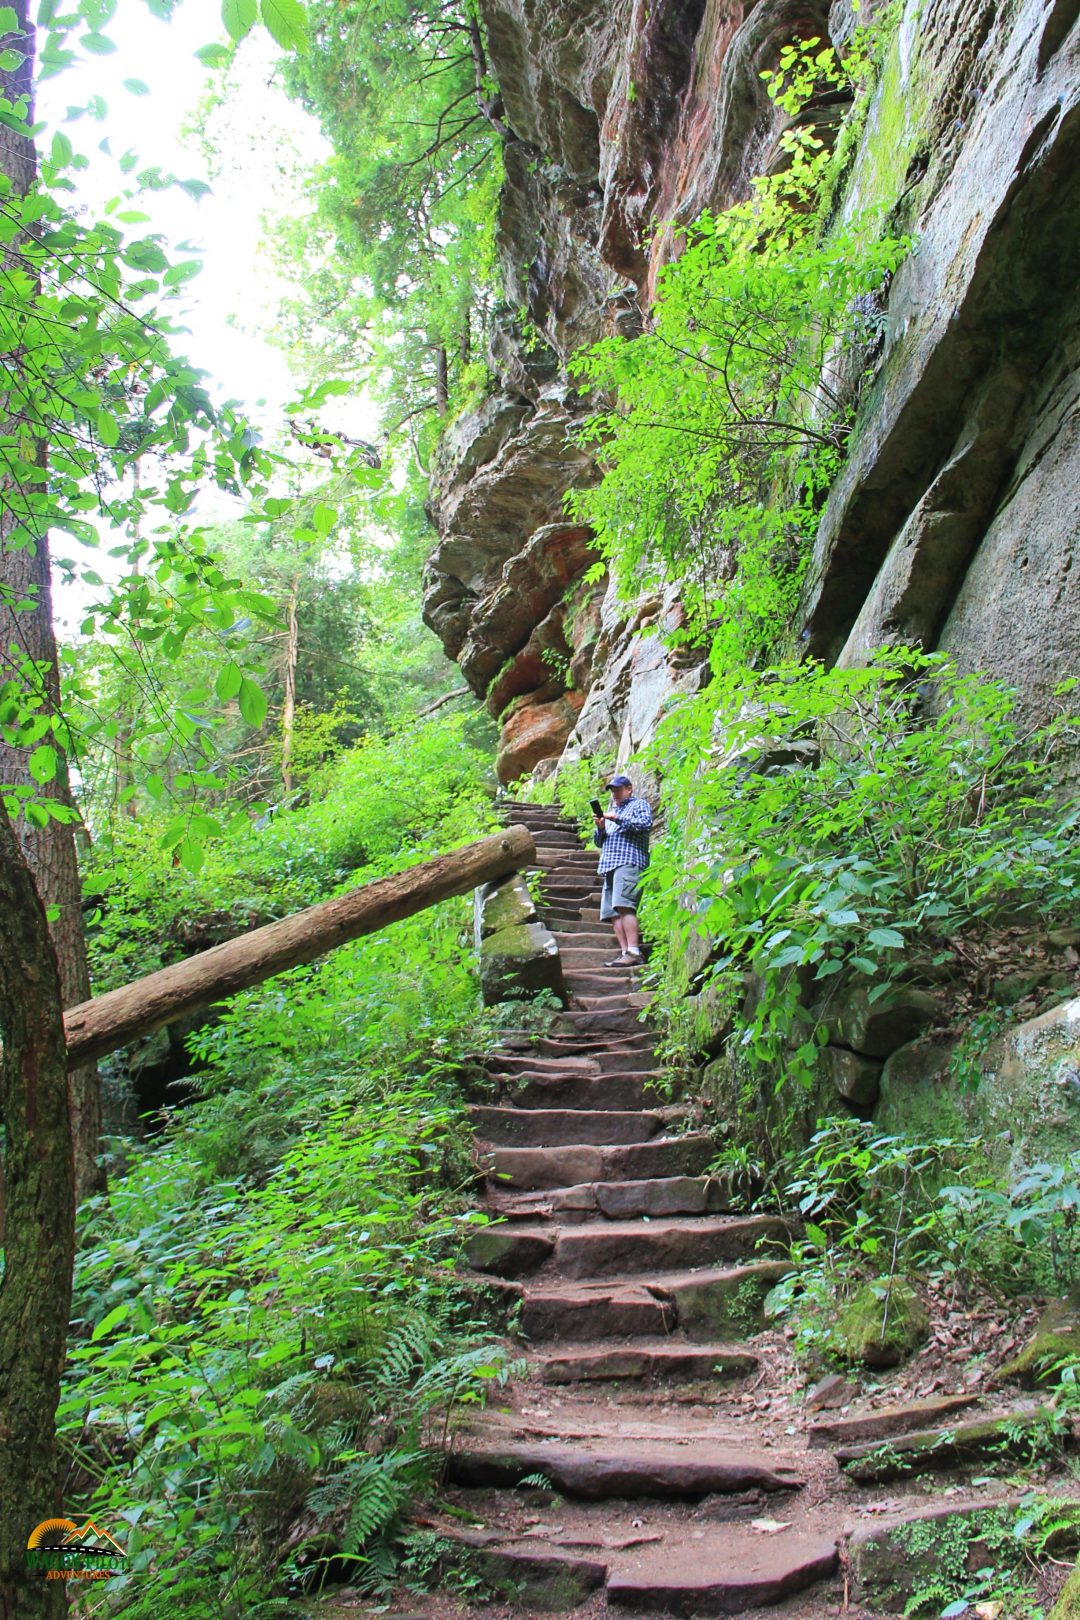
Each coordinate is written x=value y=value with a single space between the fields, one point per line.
x=1055 y=1339
x=1067 y=1606
x=534 y=732
x=882 y=1324
x=856 y=1079
x=506 y=904
x=1025 y=1104
x=876 y=1029
x=518 y=961
x=890 y=1562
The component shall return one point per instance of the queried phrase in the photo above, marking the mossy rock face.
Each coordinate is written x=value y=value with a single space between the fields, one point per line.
x=517 y=962
x=507 y=904
x=1067 y=1606
x=1056 y=1337
x=882 y=1324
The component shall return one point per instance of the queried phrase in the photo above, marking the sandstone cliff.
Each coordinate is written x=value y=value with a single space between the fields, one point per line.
x=955 y=518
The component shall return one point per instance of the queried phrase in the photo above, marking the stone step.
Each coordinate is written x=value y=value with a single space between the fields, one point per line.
x=616 y=1002
x=605 y=1020
x=533 y=1579
x=622 y=1248
x=599 y=1468
x=533 y=1063
x=1006 y=1435
x=603 y=985
x=563 y=1127
x=585 y=1092
x=610 y=1051
x=645 y=1360
x=739 y=1570
x=706 y=1304
x=543 y=1167
x=622 y=1200
x=880 y=1422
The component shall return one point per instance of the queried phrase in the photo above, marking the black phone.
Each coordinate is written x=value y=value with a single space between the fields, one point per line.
x=596 y=807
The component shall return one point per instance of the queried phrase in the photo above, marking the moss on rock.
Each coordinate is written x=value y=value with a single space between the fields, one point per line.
x=882 y=1324
x=1067 y=1606
x=1055 y=1339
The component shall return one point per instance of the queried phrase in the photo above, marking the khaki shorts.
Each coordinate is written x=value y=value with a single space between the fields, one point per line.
x=619 y=891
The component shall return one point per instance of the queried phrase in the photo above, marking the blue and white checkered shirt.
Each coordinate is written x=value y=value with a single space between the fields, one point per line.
x=626 y=844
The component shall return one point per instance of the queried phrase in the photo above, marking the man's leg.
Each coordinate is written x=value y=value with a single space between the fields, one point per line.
x=619 y=923
x=630 y=938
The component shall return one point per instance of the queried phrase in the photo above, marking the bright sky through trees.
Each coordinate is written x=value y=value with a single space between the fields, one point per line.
x=265 y=140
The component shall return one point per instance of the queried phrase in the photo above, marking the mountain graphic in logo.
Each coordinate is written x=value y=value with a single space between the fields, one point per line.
x=68 y=1540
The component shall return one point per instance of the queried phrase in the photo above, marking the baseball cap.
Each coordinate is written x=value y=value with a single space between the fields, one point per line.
x=619 y=781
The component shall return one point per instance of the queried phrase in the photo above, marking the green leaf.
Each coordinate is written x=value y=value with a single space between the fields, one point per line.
x=9 y=21
x=191 y=854
x=287 y=23
x=252 y=702
x=10 y=60
x=238 y=16
x=109 y=1321
x=137 y=87
x=213 y=55
x=61 y=152
x=98 y=44
x=108 y=428
x=886 y=938
x=229 y=682
x=42 y=763
x=323 y=519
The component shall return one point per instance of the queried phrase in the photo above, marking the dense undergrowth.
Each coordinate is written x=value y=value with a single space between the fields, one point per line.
x=269 y=1336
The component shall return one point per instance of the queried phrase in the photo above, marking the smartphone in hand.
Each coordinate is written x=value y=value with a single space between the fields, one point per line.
x=596 y=807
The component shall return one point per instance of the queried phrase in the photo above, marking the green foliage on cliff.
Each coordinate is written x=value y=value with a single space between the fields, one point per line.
x=847 y=824
x=730 y=414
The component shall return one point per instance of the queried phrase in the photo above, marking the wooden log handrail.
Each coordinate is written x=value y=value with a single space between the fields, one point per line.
x=105 y=1022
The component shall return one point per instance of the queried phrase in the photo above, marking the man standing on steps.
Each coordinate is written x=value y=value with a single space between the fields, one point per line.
x=622 y=836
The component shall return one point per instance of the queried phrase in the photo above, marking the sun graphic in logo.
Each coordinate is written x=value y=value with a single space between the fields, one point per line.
x=51 y=1532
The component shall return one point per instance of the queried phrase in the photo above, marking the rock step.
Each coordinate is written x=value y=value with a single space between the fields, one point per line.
x=982 y=1440
x=576 y=1091
x=741 y=1570
x=704 y=1304
x=883 y=1421
x=598 y=1468
x=646 y=1360
x=618 y=1200
x=540 y=1581
x=563 y=1127
x=622 y=1248
x=636 y=1051
x=542 y=1167
x=611 y=1003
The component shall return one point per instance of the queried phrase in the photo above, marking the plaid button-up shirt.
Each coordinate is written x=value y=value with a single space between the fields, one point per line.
x=627 y=843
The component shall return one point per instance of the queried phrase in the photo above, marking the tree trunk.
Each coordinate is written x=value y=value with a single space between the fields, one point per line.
x=288 y=707
x=98 y=1026
x=28 y=635
x=35 y=1294
x=442 y=381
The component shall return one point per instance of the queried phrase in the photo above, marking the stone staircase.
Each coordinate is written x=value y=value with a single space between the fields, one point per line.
x=634 y=1465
